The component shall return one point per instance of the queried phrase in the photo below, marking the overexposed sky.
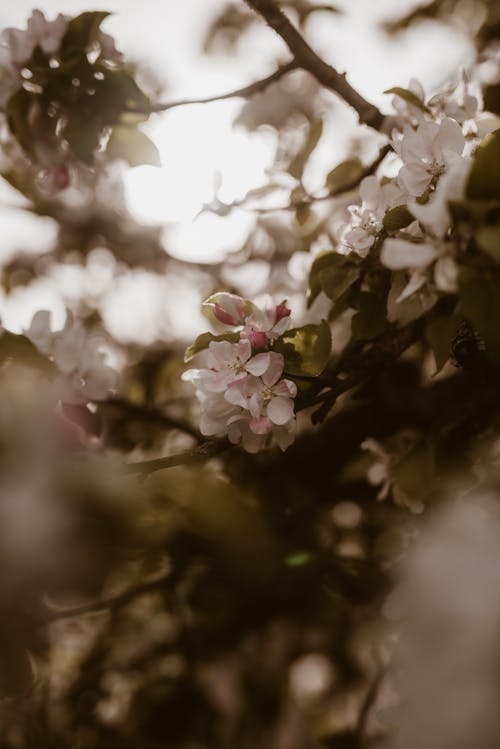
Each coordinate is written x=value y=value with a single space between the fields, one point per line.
x=197 y=142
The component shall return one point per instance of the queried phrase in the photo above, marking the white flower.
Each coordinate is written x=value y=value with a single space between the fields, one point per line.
x=407 y=111
x=240 y=387
x=400 y=254
x=366 y=223
x=427 y=153
x=434 y=214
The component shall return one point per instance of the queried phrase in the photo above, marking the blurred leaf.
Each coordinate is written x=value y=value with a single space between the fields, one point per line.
x=414 y=472
x=480 y=304
x=345 y=176
x=82 y=32
x=492 y=98
x=204 y=340
x=298 y=163
x=17 y=110
x=332 y=273
x=484 y=177
x=397 y=218
x=133 y=146
x=408 y=96
x=303 y=213
x=20 y=349
x=370 y=320
x=440 y=334
x=488 y=240
x=306 y=350
x=84 y=137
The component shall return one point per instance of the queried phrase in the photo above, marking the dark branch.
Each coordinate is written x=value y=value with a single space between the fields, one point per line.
x=307 y=59
x=152 y=415
x=205 y=451
x=113 y=602
x=243 y=93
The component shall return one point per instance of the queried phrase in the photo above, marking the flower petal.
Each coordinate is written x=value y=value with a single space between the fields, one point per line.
x=398 y=254
x=280 y=410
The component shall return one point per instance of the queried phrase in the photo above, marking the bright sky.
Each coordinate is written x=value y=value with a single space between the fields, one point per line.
x=196 y=142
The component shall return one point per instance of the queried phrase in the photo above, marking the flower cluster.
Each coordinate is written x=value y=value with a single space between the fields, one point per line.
x=240 y=386
x=78 y=356
x=434 y=141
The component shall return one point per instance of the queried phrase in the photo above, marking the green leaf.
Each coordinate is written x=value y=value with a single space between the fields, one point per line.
x=18 y=109
x=82 y=32
x=303 y=213
x=306 y=350
x=133 y=146
x=298 y=163
x=370 y=320
x=21 y=349
x=408 y=96
x=484 y=177
x=414 y=472
x=332 y=273
x=480 y=305
x=492 y=98
x=84 y=137
x=204 y=340
x=440 y=334
x=397 y=218
x=488 y=240
x=345 y=176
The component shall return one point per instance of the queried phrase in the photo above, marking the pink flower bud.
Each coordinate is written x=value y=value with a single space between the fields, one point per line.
x=227 y=308
x=281 y=311
x=257 y=338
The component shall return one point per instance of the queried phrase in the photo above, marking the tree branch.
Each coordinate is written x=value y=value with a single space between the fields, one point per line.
x=244 y=93
x=205 y=451
x=153 y=415
x=307 y=59
x=113 y=602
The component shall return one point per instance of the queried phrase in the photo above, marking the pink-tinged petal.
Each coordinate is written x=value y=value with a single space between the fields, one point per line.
x=280 y=410
x=398 y=254
x=281 y=327
x=216 y=382
x=257 y=338
x=286 y=388
x=255 y=404
x=235 y=395
x=275 y=369
x=261 y=425
x=227 y=308
x=244 y=350
x=259 y=364
x=415 y=180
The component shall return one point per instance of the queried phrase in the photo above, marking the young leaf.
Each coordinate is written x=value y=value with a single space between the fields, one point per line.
x=204 y=340
x=397 y=218
x=298 y=163
x=332 y=273
x=345 y=176
x=408 y=96
x=440 y=334
x=133 y=146
x=484 y=177
x=82 y=32
x=480 y=305
x=306 y=350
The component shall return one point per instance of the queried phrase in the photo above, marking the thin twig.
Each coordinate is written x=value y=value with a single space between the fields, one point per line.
x=205 y=451
x=368 y=703
x=113 y=602
x=307 y=59
x=245 y=92
x=153 y=415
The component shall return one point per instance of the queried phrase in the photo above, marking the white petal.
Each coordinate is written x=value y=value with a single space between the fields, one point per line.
x=280 y=410
x=258 y=364
x=398 y=254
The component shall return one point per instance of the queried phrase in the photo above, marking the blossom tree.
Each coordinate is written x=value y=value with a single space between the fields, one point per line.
x=200 y=542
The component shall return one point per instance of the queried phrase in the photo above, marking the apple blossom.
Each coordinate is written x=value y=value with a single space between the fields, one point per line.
x=427 y=153
x=240 y=387
x=376 y=199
